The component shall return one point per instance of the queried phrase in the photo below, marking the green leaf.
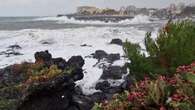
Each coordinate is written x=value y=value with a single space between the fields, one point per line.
x=190 y=77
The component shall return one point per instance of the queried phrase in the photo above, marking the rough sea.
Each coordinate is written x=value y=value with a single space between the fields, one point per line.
x=63 y=37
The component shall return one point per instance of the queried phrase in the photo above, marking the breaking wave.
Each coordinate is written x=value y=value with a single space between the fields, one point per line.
x=139 y=19
x=67 y=43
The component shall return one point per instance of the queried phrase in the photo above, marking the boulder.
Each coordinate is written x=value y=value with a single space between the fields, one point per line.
x=98 y=97
x=102 y=85
x=54 y=95
x=113 y=72
x=60 y=62
x=113 y=57
x=43 y=57
x=77 y=74
x=76 y=61
x=33 y=86
x=83 y=102
x=117 y=42
x=99 y=54
x=106 y=88
x=127 y=82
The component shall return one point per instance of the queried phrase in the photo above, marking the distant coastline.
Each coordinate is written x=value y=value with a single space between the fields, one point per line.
x=129 y=12
x=106 y=18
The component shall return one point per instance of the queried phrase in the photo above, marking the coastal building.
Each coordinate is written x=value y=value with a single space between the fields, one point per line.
x=175 y=9
x=109 y=11
x=188 y=11
x=131 y=10
x=143 y=11
x=122 y=11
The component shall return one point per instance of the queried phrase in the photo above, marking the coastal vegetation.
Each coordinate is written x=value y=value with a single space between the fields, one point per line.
x=161 y=93
x=160 y=83
x=172 y=47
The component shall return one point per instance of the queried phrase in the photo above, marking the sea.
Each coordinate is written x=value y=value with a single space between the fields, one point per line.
x=64 y=37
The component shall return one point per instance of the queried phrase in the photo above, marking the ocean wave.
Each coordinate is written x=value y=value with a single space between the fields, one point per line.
x=139 y=19
x=66 y=43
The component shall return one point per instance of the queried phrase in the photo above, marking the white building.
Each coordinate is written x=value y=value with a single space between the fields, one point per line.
x=122 y=11
x=131 y=10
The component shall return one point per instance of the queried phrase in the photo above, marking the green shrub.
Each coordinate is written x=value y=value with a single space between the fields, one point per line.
x=174 y=46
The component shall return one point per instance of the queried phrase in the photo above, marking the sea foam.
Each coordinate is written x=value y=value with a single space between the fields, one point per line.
x=66 y=43
x=136 y=20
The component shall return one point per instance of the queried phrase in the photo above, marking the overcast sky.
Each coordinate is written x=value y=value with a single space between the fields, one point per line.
x=54 y=7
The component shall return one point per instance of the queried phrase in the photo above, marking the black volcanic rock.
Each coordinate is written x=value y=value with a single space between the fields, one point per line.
x=13 y=50
x=77 y=74
x=102 y=85
x=117 y=42
x=127 y=82
x=51 y=87
x=85 y=45
x=113 y=57
x=60 y=62
x=99 y=54
x=76 y=61
x=114 y=72
x=15 y=47
x=110 y=58
x=98 y=97
x=54 y=95
x=43 y=57
x=83 y=102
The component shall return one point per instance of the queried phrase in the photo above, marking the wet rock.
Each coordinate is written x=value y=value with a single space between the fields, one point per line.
x=56 y=94
x=14 y=47
x=113 y=72
x=43 y=57
x=78 y=90
x=52 y=89
x=102 y=85
x=98 y=97
x=106 y=88
x=77 y=74
x=104 y=59
x=114 y=90
x=83 y=102
x=76 y=61
x=47 y=42
x=117 y=42
x=85 y=45
x=113 y=57
x=127 y=82
x=60 y=62
x=9 y=53
x=13 y=50
x=99 y=54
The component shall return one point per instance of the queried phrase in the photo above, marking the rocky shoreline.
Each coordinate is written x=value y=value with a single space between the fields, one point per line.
x=50 y=83
x=106 y=18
